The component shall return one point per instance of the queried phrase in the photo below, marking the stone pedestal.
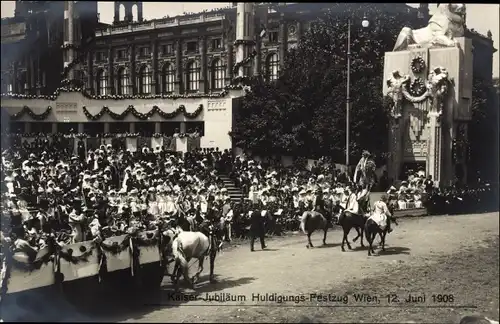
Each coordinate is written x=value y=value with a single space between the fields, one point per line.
x=424 y=124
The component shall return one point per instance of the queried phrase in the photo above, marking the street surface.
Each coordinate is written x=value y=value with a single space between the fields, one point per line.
x=451 y=261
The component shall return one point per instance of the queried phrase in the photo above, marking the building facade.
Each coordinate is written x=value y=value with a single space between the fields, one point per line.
x=165 y=63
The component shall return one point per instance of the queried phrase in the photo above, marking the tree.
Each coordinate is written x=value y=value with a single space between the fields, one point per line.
x=313 y=83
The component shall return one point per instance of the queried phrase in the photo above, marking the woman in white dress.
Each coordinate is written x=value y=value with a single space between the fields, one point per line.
x=170 y=201
x=381 y=213
x=152 y=202
x=162 y=200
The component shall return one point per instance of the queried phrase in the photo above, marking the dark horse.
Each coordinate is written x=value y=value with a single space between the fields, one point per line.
x=348 y=221
x=371 y=231
x=311 y=221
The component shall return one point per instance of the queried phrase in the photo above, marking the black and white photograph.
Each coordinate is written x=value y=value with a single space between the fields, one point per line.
x=241 y=162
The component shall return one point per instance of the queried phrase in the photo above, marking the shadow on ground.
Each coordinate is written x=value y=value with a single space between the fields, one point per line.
x=105 y=304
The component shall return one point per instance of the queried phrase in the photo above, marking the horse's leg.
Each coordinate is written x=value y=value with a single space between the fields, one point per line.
x=347 y=240
x=324 y=234
x=372 y=238
x=362 y=234
x=383 y=239
x=200 y=270
x=175 y=274
x=370 y=242
x=359 y=234
x=309 y=240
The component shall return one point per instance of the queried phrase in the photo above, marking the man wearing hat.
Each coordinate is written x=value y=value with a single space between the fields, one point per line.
x=257 y=227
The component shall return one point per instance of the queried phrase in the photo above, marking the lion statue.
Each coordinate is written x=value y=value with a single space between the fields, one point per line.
x=444 y=26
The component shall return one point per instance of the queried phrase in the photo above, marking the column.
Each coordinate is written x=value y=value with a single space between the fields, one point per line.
x=80 y=128
x=90 y=81
x=157 y=127
x=434 y=154
x=258 y=58
x=203 y=64
x=27 y=128
x=132 y=127
x=38 y=75
x=230 y=63
x=14 y=79
x=178 y=88
x=132 y=69
x=396 y=140
x=32 y=68
x=282 y=41
x=27 y=64
x=111 y=88
x=106 y=128
x=182 y=127
x=155 y=89
x=54 y=128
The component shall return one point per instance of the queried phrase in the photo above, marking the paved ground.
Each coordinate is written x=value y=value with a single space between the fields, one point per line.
x=450 y=257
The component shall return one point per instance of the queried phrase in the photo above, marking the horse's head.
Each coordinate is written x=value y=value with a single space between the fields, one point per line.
x=169 y=236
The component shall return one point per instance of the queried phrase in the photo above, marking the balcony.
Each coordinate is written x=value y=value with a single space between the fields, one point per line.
x=160 y=23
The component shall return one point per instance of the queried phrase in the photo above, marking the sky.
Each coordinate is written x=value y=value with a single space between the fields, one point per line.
x=481 y=17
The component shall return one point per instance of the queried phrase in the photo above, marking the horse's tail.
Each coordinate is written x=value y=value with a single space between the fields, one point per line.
x=303 y=222
x=180 y=255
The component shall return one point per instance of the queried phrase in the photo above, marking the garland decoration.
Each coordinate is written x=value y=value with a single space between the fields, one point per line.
x=27 y=110
x=148 y=240
x=211 y=95
x=417 y=64
x=143 y=116
x=84 y=257
x=417 y=87
x=116 y=248
x=35 y=265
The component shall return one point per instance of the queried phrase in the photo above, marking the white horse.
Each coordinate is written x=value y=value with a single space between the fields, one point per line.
x=185 y=246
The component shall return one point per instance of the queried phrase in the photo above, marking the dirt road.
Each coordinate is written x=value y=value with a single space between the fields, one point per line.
x=454 y=258
x=288 y=268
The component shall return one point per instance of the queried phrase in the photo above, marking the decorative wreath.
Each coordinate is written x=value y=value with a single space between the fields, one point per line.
x=417 y=64
x=417 y=87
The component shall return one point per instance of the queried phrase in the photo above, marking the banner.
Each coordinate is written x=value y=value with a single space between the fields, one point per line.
x=156 y=142
x=118 y=143
x=93 y=143
x=143 y=142
x=131 y=143
x=120 y=260
x=169 y=144
x=85 y=261
x=193 y=144
x=22 y=278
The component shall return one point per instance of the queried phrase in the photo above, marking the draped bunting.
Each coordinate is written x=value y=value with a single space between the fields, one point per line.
x=143 y=116
x=27 y=110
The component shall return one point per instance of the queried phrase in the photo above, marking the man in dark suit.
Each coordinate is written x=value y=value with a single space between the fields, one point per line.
x=257 y=228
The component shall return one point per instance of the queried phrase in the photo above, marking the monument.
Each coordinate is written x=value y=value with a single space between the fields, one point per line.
x=429 y=81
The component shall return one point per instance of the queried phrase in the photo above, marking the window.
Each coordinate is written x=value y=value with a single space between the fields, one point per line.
x=100 y=56
x=167 y=49
x=123 y=84
x=218 y=72
x=167 y=78
x=191 y=46
x=193 y=76
x=272 y=67
x=273 y=37
x=102 y=83
x=216 y=44
x=121 y=54
x=9 y=88
x=145 y=51
x=144 y=81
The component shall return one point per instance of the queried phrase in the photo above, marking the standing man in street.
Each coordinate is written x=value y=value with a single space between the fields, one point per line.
x=257 y=228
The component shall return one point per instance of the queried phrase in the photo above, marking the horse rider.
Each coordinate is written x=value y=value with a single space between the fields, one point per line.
x=363 y=197
x=257 y=227
x=381 y=213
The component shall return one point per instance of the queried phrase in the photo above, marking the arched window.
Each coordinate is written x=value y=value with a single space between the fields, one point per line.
x=272 y=67
x=122 y=12
x=193 y=77
x=218 y=74
x=135 y=16
x=123 y=84
x=102 y=83
x=167 y=78
x=144 y=81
